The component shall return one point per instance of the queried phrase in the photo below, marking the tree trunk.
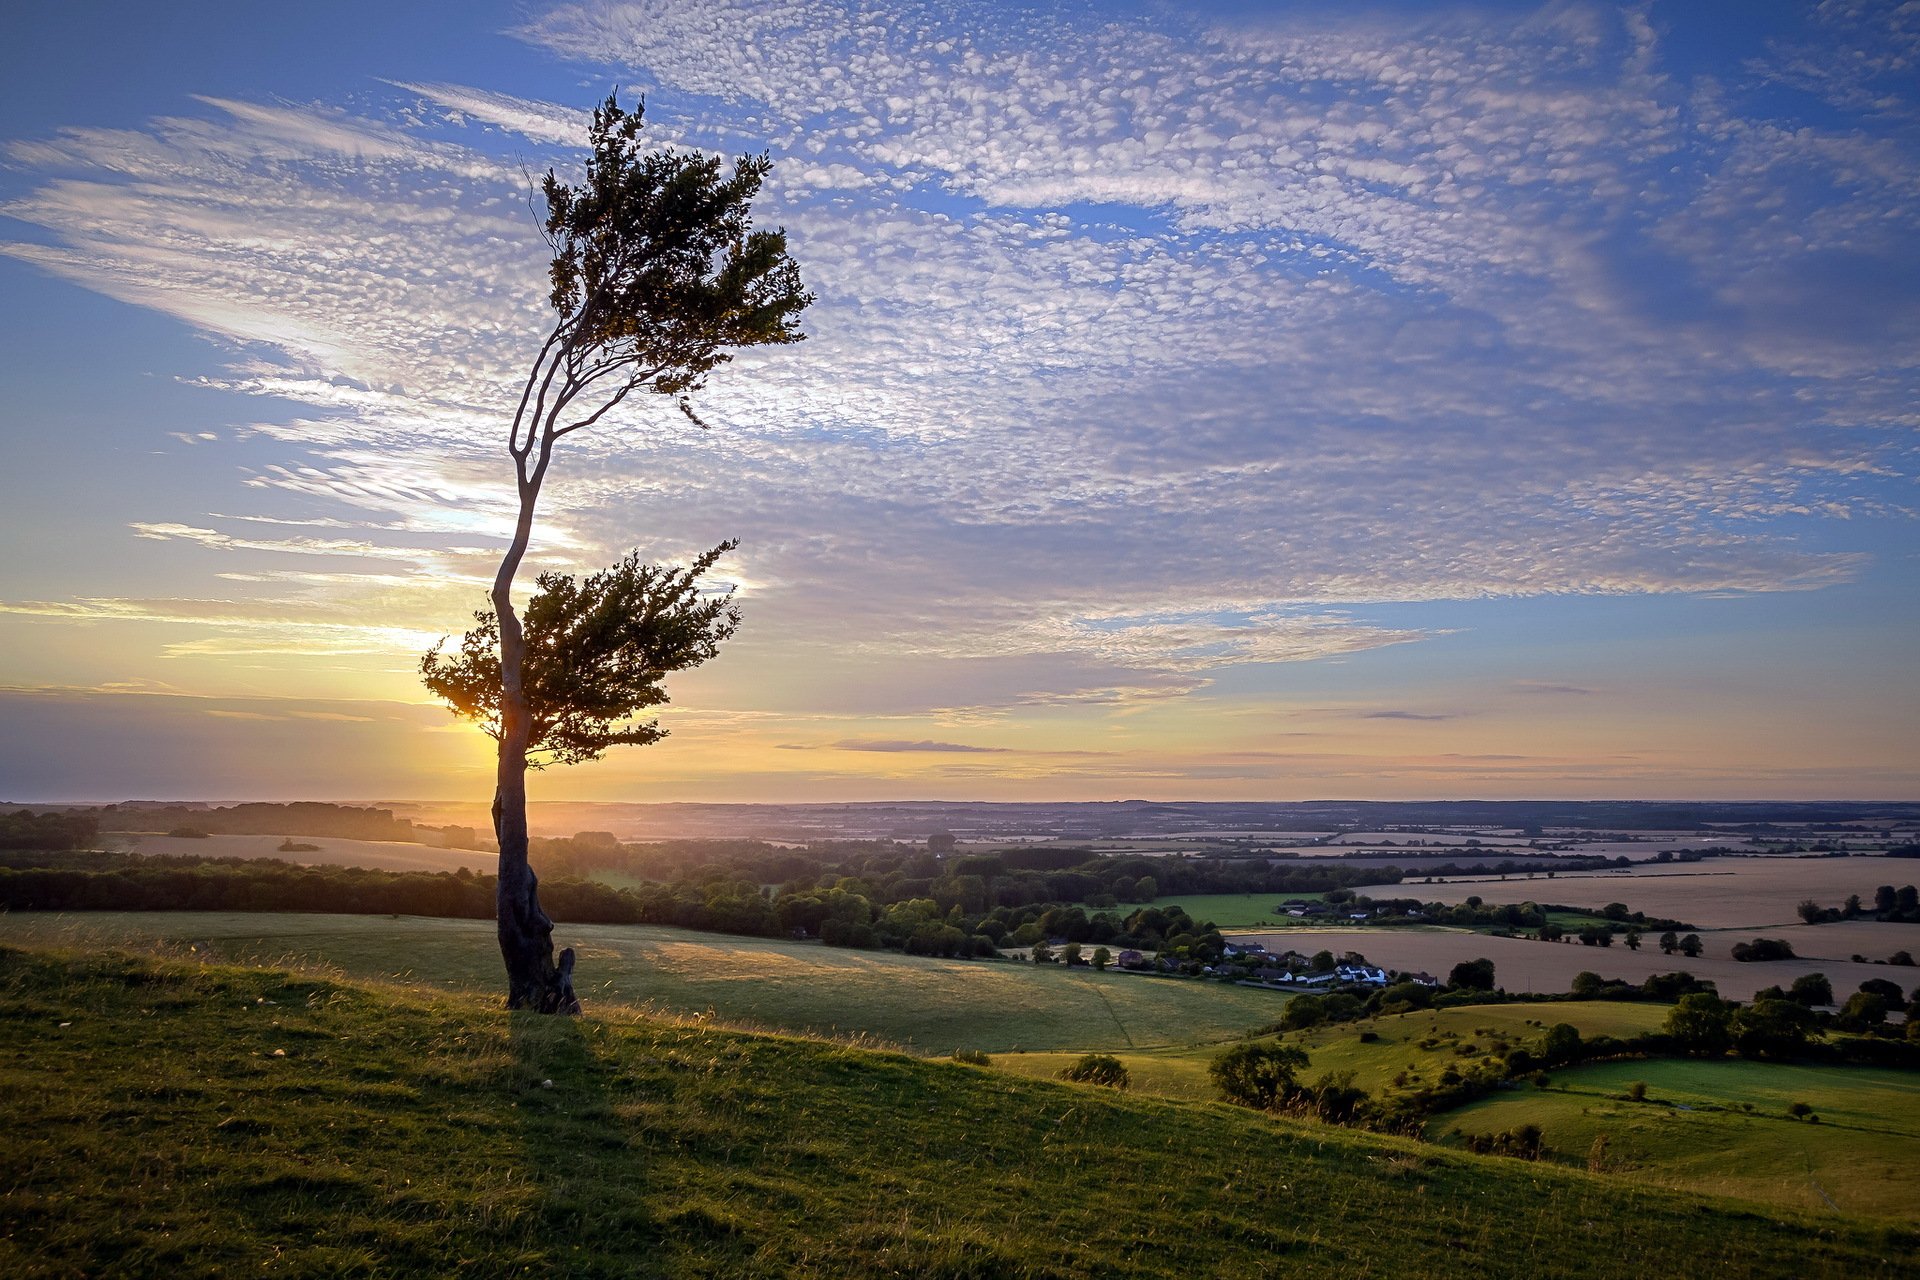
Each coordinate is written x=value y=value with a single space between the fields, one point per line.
x=534 y=980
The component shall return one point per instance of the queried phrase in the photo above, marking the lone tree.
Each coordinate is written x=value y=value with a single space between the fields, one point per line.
x=657 y=274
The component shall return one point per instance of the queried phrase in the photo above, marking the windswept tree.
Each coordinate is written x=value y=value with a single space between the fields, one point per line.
x=657 y=276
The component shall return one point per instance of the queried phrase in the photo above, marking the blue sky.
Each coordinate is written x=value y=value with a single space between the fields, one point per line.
x=1213 y=400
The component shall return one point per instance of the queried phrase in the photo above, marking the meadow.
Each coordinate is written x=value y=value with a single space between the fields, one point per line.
x=171 y=1117
x=1225 y=910
x=1692 y=1132
x=1181 y=1071
x=924 y=1005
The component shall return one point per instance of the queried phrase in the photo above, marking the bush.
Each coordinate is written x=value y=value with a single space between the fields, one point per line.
x=1763 y=949
x=976 y=1058
x=1637 y=1091
x=1097 y=1068
x=1258 y=1075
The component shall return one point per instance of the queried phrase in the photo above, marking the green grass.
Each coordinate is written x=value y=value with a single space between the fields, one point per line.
x=1180 y=1071
x=1449 y=1033
x=1863 y=1156
x=1227 y=910
x=166 y=1118
x=931 y=1006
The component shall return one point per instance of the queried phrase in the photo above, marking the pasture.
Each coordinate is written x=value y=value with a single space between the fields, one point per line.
x=1522 y=965
x=925 y=1005
x=1693 y=1133
x=1226 y=910
x=1181 y=1071
x=1718 y=893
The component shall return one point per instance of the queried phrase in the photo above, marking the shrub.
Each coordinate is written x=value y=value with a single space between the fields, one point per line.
x=972 y=1057
x=1258 y=1075
x=1098 y=1068
x=1637 y=1091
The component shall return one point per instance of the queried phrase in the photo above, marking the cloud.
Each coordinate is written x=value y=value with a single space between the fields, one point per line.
x=1146 y=349
x=1549 y=688
x=1408 y=715
x=899 y=745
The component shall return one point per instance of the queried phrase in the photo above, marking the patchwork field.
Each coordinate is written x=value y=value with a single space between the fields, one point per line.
x=1862 y=1157
x=1719 y=893
x=382 y=855
x=926 y=1005
x=1521 y=965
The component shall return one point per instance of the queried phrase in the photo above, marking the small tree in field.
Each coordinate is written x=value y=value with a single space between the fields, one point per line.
x=657 y=274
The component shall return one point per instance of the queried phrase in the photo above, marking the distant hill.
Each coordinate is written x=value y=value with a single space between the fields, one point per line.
x=168 y=1118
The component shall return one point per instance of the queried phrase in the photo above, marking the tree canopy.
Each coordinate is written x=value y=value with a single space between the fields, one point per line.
x=597 y=650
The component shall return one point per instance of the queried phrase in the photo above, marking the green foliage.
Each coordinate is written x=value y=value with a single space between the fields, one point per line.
x=1262 y=1076
x=1097 y=1068
x=1472 y=975
x=24 y=829
x=656 y=264
x=1702 y=1025
x=596 y=652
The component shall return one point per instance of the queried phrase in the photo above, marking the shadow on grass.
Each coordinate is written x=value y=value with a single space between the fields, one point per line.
x=577 y=1149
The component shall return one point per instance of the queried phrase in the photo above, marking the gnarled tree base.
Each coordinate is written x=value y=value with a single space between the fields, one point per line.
x=534 y=980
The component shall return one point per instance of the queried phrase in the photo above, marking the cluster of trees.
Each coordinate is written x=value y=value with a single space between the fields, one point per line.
x=1265 y=1076
x=24 y=829
x=840 y=914
x=1785 y=1026
x=302 y=818
x=1474 y=912
x=97 y=881
x=1901 y=905
x=1763 y=949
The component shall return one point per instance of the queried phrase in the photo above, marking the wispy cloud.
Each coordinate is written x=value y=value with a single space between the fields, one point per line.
x=1146 y=348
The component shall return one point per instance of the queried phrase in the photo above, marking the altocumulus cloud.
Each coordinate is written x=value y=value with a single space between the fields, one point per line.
x=1145 y=347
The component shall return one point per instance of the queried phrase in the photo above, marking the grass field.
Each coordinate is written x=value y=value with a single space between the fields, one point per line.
x=169 y=1118
x=1227 y=910
x=1863 y=1157
x=1181 y=1071
x=925 y=1005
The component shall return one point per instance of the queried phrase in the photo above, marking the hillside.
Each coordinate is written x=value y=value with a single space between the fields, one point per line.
x=169 y=1118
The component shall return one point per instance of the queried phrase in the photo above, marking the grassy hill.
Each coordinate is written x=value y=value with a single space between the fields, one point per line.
x=169 y=1118
x=933 y=1006
x=1695 y=1130
x=1421 y=1044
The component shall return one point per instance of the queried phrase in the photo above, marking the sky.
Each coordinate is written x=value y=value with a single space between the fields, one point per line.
x=1202 y=401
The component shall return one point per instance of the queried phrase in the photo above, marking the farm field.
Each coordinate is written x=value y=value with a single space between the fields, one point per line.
x=922 y=1004
x=1181 y=1071
x=382 y=855
x=1863 y=1157
x=1521 y=965
x=1719 y=893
